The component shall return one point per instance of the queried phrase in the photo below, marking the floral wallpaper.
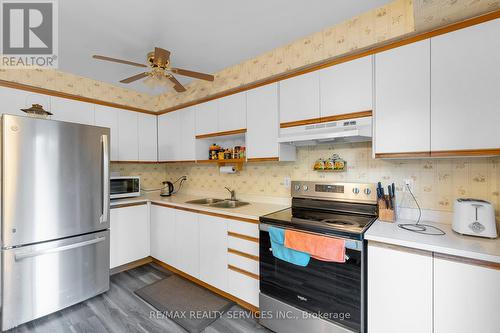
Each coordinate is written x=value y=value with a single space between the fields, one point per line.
x=78 y=85
x=394 y=20
x=391 y=21
x=437 y=182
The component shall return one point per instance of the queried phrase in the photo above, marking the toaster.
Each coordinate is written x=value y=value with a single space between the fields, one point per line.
x=474 y=217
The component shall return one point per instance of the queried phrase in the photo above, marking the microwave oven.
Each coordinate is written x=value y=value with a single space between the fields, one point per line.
x=125 y=187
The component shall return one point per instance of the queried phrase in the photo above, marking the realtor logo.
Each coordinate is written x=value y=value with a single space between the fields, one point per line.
x=29 y=33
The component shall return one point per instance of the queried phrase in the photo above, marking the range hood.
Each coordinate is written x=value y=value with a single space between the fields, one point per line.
x=348 y=130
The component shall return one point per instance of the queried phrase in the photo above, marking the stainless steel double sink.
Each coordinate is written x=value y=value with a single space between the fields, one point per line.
x=218 y=203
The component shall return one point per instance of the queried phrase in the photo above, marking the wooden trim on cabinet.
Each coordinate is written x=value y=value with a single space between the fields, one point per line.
x=243 y=254
x=469 y=261
x=263 y=159
x=408 y=39
x=400 y=248
x=135 y=162
x=129 y=204
x=352 y=115
x=192 y=210
x=468 y=152
x=181 y=161
x=130 y=265
x=242 y=271
x=55 y=93
x=245 y=237
x=186 y=276
x=211 y=135
x=403 y=155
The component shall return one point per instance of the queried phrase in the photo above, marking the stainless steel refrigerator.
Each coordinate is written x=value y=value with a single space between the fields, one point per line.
x=54 y=216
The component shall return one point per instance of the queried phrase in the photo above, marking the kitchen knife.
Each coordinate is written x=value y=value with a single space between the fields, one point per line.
x=389 y=189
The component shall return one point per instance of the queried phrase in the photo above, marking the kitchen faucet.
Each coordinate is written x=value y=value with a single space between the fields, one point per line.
x=233 y=193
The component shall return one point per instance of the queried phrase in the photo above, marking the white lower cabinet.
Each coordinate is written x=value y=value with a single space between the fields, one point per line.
x=187 y=242
x=129 y=234
x=416 y=291
x=466 y=297
x=163 y=235
x=244 y=287
x=198 y=244
x=213 y=250
x=399 y=290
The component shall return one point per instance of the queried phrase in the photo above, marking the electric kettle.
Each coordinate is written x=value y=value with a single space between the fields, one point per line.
x=167 y=190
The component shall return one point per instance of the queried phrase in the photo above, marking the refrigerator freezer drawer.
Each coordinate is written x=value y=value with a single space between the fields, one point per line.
x=44 y=278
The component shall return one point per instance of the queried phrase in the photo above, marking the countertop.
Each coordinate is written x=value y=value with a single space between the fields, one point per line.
x=451 y=243
x=252 y=211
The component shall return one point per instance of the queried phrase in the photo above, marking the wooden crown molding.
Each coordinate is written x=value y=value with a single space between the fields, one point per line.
x=241 y=236
x=442 y=153
x=225 y=133
x=341 y=59
x=242 y=271
x=44 y=91
x=130 y=204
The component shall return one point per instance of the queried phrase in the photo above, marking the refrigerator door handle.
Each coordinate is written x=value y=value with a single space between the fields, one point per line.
x=105 y=179
x=21 y=256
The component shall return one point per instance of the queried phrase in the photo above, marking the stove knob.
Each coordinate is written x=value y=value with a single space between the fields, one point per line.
x=305 y=187
x=297 y=187
x=355 y=190
x=367 y=191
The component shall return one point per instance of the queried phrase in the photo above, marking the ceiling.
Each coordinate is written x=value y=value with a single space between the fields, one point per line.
x=202 y=35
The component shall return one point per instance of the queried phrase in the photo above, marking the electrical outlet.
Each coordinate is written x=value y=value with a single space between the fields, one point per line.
x=287 y=182
x=409 y=182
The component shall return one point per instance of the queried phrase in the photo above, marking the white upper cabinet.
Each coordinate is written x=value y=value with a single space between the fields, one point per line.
x=169 y=133
x=232 y=112
x=128 y=140
x=72 y=111
x=108 y=117
x=213 y=250
x=299 y=98
x=207 y=117
x=465 y=85
x=146 y=125
x=262 y=122
x=402 y=99
x=187 y=134
x=347 y=87
x=13 y=100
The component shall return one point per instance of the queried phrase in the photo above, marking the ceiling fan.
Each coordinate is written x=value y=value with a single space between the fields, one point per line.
x=161 y=72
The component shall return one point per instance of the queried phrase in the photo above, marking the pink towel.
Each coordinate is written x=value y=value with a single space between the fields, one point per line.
x=319 y=247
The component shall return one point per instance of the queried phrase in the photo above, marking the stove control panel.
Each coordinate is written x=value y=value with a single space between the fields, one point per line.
x=355 y=192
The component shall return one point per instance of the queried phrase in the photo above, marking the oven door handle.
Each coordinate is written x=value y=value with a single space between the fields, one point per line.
x=351 y=244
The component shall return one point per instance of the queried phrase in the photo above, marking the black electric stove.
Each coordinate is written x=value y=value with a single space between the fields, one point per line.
x=335 y=290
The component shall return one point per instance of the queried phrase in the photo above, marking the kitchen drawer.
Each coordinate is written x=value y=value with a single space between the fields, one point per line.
x=247 y=264
x=244 y=287
x=49 y=276
x=244 y=228
x=243 y=245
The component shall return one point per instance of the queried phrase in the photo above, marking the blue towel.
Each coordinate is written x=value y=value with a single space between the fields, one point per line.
x=298 y=258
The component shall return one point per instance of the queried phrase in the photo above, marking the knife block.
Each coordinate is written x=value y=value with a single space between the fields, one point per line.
x=385 y=213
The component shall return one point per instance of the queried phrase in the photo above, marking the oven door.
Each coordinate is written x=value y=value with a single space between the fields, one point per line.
x=123 y=187
x=334 y=291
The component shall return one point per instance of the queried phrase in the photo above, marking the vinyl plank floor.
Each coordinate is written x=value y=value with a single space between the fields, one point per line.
x=119 y=310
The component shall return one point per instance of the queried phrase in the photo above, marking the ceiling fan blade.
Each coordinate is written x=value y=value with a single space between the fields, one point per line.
x=134 y=78
x=126 y=62
x=196 y=75
x=177 y=85
x=161 y=56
